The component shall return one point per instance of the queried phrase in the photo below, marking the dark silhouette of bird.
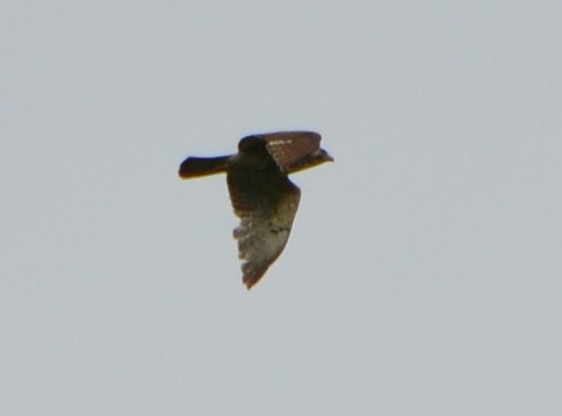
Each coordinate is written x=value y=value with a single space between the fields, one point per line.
x=262 y=195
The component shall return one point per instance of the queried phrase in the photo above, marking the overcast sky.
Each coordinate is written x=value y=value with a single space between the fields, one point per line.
x=423 y=273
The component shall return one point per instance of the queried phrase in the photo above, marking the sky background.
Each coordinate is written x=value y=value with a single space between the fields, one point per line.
x=423 y=273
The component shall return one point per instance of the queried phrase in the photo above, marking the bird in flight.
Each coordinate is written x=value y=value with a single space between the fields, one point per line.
x=262 y=195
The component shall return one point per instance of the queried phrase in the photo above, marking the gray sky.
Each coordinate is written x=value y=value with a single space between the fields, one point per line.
x=423 y=274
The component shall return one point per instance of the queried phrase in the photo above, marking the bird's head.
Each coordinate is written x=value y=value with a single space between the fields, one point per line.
x=321 y=156
x=310 y=160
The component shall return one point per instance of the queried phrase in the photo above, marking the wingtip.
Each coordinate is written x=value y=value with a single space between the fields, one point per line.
x=250 y=280
x=249 y=283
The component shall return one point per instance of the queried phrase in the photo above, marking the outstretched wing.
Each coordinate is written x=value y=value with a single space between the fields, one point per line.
x=266 y=203
x=286 y=148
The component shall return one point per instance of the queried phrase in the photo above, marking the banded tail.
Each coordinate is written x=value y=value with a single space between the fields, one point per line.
x=193 y=167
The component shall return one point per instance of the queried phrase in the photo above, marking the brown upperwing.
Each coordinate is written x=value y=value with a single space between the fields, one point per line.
x=286 y=148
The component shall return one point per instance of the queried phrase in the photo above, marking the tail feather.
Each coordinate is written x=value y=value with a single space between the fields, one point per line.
x=193 y=167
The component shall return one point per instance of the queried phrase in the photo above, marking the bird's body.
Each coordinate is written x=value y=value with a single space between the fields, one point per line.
x=262 y=195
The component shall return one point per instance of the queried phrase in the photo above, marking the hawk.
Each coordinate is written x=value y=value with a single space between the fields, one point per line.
x=262 y=195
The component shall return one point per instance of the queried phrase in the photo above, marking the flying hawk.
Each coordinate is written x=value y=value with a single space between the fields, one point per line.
x=262 y=195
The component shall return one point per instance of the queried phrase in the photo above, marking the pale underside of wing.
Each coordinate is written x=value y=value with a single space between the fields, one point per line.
x=286 y=148
x=266 y=205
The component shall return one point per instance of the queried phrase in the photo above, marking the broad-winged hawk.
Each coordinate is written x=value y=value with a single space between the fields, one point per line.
x=262 y=195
